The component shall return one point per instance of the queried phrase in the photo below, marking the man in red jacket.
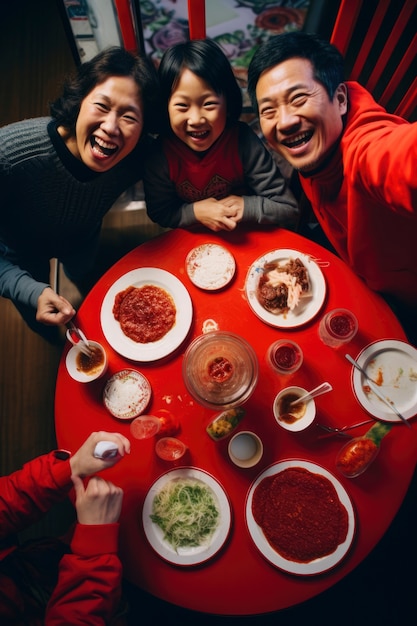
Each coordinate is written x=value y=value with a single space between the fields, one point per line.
x=356 y=162
x=75 y=581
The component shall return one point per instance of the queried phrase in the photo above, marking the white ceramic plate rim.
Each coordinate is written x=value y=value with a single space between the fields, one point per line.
x=400 y=393
x=317 y=566
x=309 y=306
x=229 y=269
x=154 y=350
x=155 y=536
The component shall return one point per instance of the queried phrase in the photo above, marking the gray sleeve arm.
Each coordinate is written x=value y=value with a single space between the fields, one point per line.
x=17 y=284
x=162 y=203
x=272 y=201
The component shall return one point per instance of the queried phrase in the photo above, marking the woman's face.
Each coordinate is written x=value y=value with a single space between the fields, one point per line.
x=197 y=114
x=109 y=124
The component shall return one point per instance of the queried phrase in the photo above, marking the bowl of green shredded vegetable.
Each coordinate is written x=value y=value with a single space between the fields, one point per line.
x=186 y=516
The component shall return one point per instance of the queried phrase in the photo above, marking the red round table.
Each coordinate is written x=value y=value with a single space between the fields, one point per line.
x=238 y=580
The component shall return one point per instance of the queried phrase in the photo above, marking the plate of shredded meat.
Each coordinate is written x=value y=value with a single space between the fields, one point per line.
x=146 y=314
x=300 y=517
x=285 y=288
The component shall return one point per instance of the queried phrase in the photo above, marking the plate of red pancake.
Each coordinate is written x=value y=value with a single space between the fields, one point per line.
x=300 y=517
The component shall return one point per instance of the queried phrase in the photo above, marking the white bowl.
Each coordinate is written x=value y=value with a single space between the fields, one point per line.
x=303 y=417
x=245 y=449
x=127 y=394
x=75 y=360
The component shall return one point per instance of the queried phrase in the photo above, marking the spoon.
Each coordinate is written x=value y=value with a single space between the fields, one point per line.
x=317 y=391
x=78 y=339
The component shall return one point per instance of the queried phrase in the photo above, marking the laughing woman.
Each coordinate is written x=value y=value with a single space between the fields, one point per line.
x=60 y=175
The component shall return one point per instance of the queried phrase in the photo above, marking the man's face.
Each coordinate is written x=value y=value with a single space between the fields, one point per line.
x=296 y=116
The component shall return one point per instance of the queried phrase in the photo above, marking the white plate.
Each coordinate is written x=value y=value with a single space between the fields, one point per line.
x=155 y=349
x=210 y=266
x=308 y=307
x=155 y=535
x=318 y=565
x=392 y=363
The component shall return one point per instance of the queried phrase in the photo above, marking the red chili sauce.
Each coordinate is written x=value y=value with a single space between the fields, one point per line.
x=220 y=369
x=286 y=357
x=145 y=313
x=90 y=364
x=300 y=514
x=341 y=325
x=356 y=456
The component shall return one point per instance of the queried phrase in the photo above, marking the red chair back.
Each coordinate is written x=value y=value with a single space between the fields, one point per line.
x=197 y=19
x=379 y=42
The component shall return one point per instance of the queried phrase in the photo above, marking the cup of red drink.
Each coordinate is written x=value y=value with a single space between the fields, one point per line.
x=170 y=448
x=285 y=356
x=338 y=327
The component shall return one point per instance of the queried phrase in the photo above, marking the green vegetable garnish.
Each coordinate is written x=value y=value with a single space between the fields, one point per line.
x=187 y=512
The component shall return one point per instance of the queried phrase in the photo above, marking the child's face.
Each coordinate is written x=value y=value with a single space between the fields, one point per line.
x=197 y=114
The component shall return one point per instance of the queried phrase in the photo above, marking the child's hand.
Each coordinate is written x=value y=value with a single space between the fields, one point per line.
x=214 y=214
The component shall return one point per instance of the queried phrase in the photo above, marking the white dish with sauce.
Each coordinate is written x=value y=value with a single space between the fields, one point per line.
x=77 y=364
x=316 y=566
x=302 y=415
x=392 y=364
x=153 y=350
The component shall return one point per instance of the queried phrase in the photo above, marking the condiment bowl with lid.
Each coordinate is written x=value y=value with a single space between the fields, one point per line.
x=220 y=370
x=297 y=417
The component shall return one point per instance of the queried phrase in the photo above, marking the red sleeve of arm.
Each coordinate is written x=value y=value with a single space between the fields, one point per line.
x=29 y=492
x=89 y=582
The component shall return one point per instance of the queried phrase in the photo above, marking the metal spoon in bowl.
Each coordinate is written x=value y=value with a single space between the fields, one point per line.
x=317 y=391
x=78 y=339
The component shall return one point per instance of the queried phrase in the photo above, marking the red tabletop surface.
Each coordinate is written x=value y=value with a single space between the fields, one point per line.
x=238 y=580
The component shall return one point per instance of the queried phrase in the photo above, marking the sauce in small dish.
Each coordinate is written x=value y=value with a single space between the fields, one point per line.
x=295 y=417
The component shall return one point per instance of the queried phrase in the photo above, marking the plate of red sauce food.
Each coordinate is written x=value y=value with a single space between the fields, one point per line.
x=300 y=517
x=285 y=288
x=392 y=365
x=146 y=314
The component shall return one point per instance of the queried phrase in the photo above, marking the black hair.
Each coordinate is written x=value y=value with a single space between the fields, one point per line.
x=110 y=62
x=206 y=59
x=327 y=62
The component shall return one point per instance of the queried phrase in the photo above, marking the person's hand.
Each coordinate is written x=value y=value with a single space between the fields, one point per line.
x=84 y=463
x=214 y=214
x=53 y=309
x=236 y=204
x=100 y=502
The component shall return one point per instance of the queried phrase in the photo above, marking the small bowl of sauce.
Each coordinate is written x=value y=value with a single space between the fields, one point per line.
x=85 y=368
x=293 y=417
